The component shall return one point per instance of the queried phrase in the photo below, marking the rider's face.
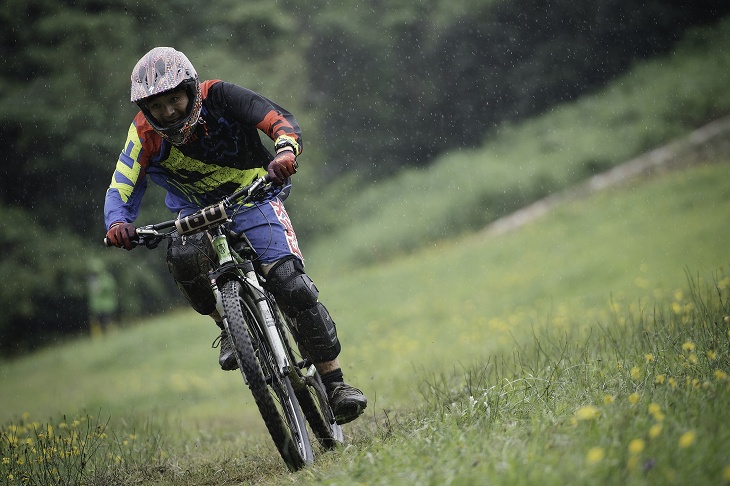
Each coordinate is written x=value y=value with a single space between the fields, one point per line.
x=169 y=108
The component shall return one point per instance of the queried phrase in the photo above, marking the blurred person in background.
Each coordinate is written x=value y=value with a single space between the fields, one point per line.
x=103 y=298
x=200 y=142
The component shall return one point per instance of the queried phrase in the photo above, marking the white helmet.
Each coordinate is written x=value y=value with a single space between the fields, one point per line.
x=164 y=69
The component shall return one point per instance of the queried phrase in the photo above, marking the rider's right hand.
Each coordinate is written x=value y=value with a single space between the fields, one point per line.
x=283 y=166
x=120 y=234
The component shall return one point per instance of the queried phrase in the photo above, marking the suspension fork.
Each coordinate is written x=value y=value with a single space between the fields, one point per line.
x=249 y=279
x=270 y=327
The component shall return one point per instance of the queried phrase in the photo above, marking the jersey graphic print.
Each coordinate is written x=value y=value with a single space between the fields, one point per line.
x=283 y=217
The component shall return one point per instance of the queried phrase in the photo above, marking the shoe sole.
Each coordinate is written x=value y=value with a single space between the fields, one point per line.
x=349 y=413
x=229 y=364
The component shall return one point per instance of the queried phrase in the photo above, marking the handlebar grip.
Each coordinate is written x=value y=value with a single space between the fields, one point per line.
x=135 y=241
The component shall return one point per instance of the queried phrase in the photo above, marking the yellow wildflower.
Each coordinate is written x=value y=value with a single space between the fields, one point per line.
x=648 y=358
x=656 y=411
x=687 y=439
x=636 y=446
x=634 y=398
x=672 y=382
x=726 y=473
x=711 y=355
x=688 y=346
x=720 y=375
x=659 y=380
x=692 y=358
x=635 y=373
x=589 y=412
x=608 y=399
x=655 y=430
x=595 y=454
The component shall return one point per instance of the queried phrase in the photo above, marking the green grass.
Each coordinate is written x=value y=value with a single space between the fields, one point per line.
x=537 y=323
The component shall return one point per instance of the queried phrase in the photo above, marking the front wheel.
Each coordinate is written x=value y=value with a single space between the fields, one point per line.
x=272 y=390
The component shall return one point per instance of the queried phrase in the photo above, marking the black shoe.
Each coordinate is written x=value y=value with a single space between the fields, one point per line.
x=347 y=402
x=227 y=358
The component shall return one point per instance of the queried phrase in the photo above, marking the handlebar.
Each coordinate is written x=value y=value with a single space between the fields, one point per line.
x=206 y=218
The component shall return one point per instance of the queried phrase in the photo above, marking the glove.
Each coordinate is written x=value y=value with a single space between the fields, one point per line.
x=283 y=166
x=120 y=234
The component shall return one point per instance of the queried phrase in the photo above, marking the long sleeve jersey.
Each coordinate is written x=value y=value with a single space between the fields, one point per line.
x=225 y=153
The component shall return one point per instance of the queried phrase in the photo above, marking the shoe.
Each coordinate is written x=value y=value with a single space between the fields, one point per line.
x=227 y=358
x=347 y=402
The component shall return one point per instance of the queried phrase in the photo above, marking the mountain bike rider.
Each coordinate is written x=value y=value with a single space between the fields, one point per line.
x=200 y=142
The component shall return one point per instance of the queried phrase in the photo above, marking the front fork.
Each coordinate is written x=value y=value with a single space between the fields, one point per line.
x=250 y=279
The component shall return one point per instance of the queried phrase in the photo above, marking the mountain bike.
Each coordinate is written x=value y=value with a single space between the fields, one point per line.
x=286 y=387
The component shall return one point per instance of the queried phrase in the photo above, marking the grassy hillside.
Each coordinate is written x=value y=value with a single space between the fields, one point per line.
x=445 y=311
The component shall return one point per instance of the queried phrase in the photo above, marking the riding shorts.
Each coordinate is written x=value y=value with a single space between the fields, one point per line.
x=267 y=226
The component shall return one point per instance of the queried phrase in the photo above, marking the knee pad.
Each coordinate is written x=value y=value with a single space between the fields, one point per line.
x=293 y=289
x=297 y=295
x=317 y=334
x=189 y=259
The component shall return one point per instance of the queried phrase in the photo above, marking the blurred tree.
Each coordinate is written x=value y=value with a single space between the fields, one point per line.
x=416 y=82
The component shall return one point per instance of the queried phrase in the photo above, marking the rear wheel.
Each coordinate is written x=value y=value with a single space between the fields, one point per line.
x=272 y=390
x=311 y=392
x=319 y=414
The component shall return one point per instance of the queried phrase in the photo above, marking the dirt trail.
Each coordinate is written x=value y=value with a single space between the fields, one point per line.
x=707 y=143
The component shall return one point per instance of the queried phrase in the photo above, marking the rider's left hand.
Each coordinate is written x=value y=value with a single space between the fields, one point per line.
x=283 y=166
x=121 y=234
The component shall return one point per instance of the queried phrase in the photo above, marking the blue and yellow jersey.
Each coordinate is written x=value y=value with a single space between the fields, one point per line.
x=224 y=154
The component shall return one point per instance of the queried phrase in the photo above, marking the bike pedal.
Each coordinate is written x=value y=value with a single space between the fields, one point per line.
x=310 y=372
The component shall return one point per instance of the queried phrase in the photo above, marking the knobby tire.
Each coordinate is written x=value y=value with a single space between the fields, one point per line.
x=276 y=400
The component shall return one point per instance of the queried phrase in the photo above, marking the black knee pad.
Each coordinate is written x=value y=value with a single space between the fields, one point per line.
x=189 y=259
x=318 y=334
x=293 y=289
x=297 y=295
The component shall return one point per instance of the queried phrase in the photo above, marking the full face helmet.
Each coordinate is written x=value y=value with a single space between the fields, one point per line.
x=164 y=69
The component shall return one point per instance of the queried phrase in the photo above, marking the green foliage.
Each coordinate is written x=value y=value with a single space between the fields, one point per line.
x=44 y=275
x=464 y=190
x=403 y=90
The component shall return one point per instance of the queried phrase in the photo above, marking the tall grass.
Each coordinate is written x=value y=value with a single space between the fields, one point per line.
x=638 y=399
x=72 y=451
